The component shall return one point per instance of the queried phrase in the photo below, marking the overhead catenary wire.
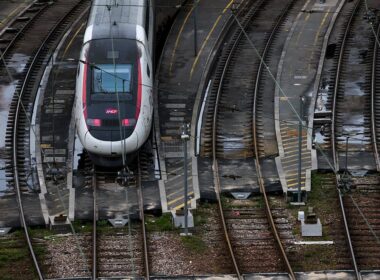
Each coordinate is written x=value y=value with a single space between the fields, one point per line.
x=296 y=113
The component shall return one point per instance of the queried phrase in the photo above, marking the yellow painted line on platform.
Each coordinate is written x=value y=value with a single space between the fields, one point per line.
x=289 y=161
x=176 y=192
x=317 y=35
x=296 y=184
x=295 y=179
x=45 y=146
x=179 y=198
x=10 y=15
x=303 y=28
x=177 y=39
x=290 y=152
x=295 y=143
x=72 y=39
x=182 y=205
x=208 y=37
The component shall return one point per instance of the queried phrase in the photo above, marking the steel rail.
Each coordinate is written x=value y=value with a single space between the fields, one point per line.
x=333 y=146
x=142 y=217
x=22 y=30
x=18 y=110
x=336 y=85
x=94 y=228
x=255 y=141
x=215 y=167
x=373 y=100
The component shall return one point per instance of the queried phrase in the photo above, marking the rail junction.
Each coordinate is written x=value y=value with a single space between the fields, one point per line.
x=263 y=160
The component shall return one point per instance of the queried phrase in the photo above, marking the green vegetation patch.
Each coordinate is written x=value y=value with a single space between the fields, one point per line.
x=323 y=198
x=38 y=232
x=194 y=243
x=15 y=261
x=162 y=223
x=82 y=227
x=202 y=213
x=12 y=254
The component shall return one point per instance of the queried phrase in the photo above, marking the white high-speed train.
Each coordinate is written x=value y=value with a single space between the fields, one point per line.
x=114 y=86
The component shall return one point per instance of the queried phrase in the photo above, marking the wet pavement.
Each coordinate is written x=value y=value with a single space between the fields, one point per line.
x=178 y=78
x=296 y=74
x=353 y=102
x=9 y=10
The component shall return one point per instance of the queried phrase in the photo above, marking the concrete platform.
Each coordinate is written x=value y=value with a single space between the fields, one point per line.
x=296 y=74
x=178 y=78
x=10 y=9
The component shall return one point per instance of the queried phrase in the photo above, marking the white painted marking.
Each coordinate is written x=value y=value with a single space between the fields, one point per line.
x=300 y=77
x=175 y=106
x=199 y=124
x=177 y=119
x=314 y=242
x=64 y=91
x=52 y=159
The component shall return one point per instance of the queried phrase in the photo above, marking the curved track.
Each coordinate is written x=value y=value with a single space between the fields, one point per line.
x=236 y=99
x=18 y=120
x=354 y=139
x=375 y=97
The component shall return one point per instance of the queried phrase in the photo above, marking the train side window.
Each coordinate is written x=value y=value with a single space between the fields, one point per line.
x=148 y=70
x=147 y=9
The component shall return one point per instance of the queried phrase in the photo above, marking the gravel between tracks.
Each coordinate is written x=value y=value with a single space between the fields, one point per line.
x=206 y=253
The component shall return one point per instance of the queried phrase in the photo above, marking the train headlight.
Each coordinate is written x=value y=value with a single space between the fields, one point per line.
x=94 y=122
x=129 y=122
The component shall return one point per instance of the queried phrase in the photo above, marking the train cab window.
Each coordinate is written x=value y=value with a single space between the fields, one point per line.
x=148 y=70
x=107 y=80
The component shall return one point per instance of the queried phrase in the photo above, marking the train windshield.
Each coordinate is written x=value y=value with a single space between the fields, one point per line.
x=112 y=70
x=111 y=79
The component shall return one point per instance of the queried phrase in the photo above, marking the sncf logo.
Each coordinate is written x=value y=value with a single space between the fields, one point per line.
x=111 y=111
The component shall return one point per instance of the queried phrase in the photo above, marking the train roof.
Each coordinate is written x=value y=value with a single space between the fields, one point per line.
x=121 y=17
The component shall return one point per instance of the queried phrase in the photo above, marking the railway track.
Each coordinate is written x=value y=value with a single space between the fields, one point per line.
x=361 y=206
x=20 y=25
x=353 y=138
x=375 y=97
x=46 y=35
x=120 y=251
x=42 y=38
x=349 y=119
x=229 y=125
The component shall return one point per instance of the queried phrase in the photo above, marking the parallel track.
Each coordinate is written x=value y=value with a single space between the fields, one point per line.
x=375 y=97
x=19 y=26
x=19 y=115
x=123 y=251
x=333 y=138
x=244 y=141
x=362 y=256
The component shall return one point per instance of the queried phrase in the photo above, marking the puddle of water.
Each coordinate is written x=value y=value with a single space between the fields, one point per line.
x=18 y=62
x=354 y=88
x=321 y=102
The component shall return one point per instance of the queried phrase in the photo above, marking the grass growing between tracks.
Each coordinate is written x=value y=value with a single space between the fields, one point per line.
x=194 y=243
x=323 y=198
x=15 y=260
x=230 y=203
x=162 y=223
